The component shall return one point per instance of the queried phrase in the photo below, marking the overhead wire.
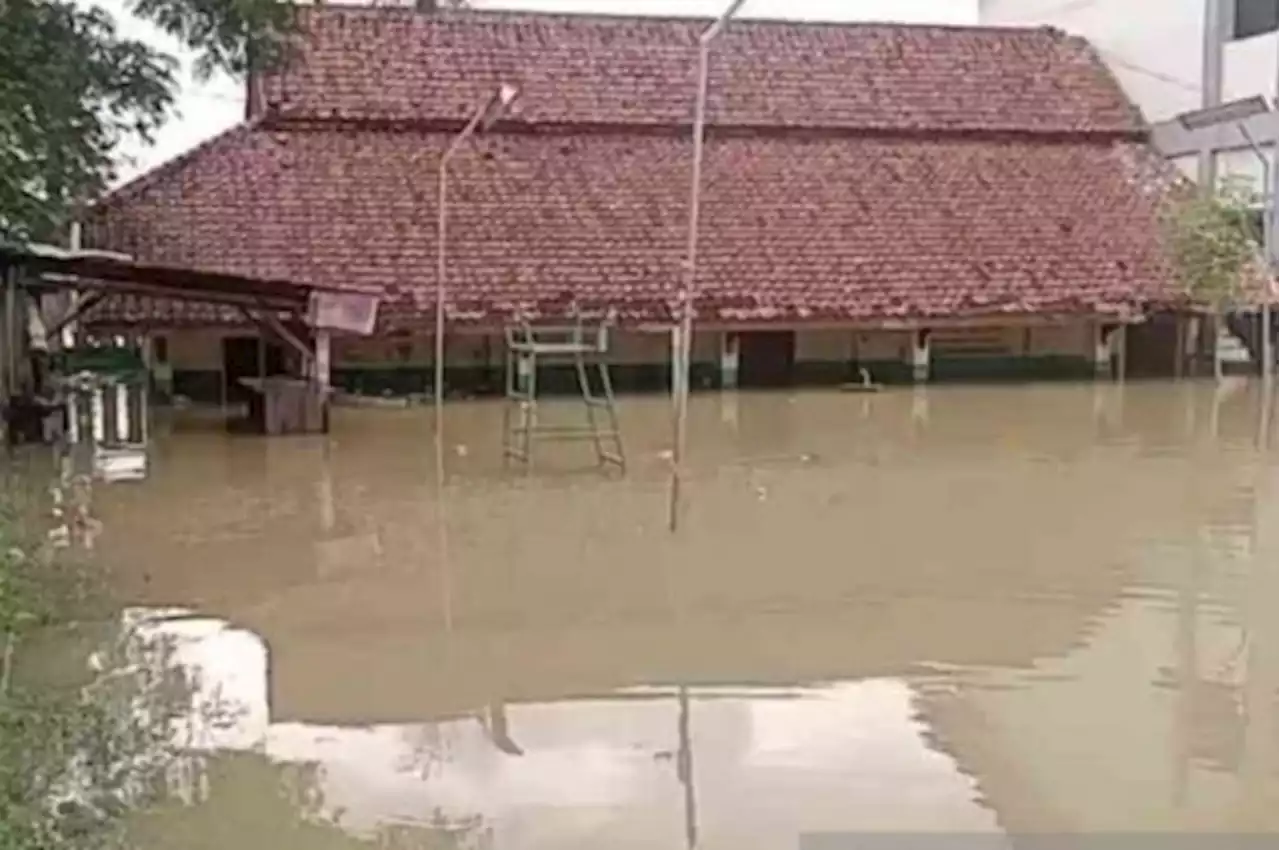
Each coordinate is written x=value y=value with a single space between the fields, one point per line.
x=1116 y=57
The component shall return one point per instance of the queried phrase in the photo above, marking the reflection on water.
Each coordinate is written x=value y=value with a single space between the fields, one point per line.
x=1007 y=609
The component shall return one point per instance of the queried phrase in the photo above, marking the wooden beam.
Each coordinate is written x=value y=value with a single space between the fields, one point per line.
x=270 y=322
x=77 y=310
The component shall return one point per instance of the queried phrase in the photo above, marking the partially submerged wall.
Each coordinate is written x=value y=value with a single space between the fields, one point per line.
x=641 y=360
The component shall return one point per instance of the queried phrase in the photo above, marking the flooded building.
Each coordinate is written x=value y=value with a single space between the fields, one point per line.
x=920 y=202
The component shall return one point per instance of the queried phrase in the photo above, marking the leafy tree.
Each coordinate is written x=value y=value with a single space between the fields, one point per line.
x=1214 y=244
x=72 y=90
x=1214 y=247
x=227 y=35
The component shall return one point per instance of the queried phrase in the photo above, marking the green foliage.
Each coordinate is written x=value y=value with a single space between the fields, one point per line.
x=72 y=90
x=1211 y=235
x=73 y=752
x=227 y=35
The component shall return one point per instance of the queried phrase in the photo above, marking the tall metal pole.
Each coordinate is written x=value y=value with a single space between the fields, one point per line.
x=487 y=111
x=442 y=227
x=681 y=369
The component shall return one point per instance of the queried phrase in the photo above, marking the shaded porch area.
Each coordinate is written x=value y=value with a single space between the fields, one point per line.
x=73 y=312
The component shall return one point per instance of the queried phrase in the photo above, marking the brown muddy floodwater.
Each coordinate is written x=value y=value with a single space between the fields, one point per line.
x=983 y=610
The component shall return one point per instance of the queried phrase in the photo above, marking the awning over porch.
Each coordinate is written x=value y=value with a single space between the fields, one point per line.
x=107 y=274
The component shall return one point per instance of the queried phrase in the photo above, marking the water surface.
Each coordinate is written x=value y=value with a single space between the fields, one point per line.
x=998 y=610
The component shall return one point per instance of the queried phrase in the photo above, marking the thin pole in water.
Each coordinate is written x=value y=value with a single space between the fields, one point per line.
x=682 y=352
x=493 y=106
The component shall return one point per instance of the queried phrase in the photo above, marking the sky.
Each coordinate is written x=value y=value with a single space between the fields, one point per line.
x=205 y=109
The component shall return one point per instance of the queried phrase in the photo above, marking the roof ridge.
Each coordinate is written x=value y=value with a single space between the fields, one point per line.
x=517 y=127
x=614 y=68
x=620 y=17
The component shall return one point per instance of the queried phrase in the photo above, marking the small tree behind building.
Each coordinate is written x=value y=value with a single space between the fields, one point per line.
x=1214 y=249
x=1213 y=244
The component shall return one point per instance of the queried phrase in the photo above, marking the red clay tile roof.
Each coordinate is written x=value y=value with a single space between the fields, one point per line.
x=905 y=172
x=792 y=229
x=402 y=66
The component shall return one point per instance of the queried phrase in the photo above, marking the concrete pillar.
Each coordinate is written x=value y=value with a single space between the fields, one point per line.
x=1188 y=345
x=920 y=355
x=322 y=360
x=1103 y=336
x=1120 y=342
x=1179 y=346
x=1217 y=26
x=729 y=361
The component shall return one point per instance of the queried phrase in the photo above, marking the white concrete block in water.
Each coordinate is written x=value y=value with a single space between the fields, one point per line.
x=112 y=465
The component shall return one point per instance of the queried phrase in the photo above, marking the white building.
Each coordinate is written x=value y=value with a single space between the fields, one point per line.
x=1173 y=57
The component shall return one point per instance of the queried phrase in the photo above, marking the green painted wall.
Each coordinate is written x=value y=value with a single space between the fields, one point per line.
x=202 y=385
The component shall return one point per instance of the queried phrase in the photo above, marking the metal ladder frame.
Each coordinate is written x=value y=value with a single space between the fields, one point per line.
x=528 y=345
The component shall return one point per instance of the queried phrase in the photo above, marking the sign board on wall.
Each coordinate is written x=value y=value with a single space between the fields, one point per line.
x=350 y=312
